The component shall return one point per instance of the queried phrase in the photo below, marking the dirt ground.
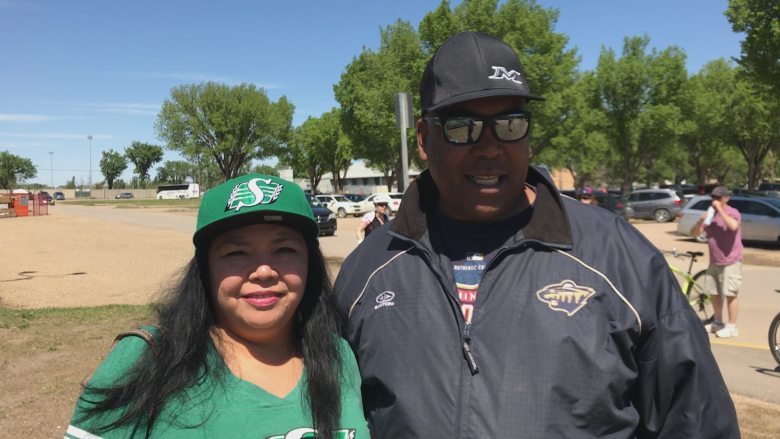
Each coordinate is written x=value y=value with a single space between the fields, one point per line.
x=67 y=261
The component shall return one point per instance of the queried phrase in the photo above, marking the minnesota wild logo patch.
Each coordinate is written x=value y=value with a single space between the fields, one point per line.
x=306 y=433
x=566 y=296
x=253 y=192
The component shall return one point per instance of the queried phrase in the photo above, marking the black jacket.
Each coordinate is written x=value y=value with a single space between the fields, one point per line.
x=579 y=331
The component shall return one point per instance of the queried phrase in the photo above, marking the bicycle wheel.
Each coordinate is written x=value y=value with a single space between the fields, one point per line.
x=774 y=338
x=701 y=302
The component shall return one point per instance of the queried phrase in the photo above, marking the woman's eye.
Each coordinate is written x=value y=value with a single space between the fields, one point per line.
x=235 y=253
x=287 y=250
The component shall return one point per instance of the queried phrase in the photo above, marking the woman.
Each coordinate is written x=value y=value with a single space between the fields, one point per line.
x=373 y=220
x=585 y=195
x=246 y=344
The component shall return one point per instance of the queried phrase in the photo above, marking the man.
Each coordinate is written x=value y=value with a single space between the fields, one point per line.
x=493 y=308
x=724 y=275
x=374 y=220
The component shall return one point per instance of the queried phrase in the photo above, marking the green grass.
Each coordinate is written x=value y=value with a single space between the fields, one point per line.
x=23 y=318
x=134 y=203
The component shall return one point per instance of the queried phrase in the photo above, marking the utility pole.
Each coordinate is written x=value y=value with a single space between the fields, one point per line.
x=51 y=167
x=90 y=165
x=404 y=119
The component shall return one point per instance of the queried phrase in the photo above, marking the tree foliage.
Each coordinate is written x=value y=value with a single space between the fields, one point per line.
x=174 y=172
x=14 y=169
x=231 y=125
x=112 y=165
x=143 y=156
x=760 y=21
x=638 y=94
x=305 y=152
x=366 y=94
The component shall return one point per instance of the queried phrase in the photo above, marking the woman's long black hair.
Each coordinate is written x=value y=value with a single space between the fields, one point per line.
x=186 y=314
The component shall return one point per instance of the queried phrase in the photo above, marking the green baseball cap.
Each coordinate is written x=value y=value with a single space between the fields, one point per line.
x=253 y=199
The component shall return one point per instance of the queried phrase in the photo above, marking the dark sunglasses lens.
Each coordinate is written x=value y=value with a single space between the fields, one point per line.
x=511 y=127
x=462 y=129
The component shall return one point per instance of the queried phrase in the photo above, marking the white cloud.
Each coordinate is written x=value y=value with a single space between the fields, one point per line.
x=23 y=118
x=112 y=107
x=9 y=145
x=56 y=136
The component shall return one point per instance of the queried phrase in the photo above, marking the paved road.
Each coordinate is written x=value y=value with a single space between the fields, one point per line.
x=746 y=363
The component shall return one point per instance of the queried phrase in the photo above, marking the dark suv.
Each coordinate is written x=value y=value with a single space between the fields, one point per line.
x=325 y=218
x=662 y=205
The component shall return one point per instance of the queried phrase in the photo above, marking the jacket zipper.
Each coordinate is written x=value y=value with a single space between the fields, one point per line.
x=466 y=335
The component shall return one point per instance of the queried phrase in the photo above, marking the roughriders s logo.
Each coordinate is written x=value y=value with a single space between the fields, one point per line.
x=252 y=193
x=301 y=433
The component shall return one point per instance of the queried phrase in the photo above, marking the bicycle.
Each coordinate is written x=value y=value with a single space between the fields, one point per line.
x=774 y=336
x=693 y=290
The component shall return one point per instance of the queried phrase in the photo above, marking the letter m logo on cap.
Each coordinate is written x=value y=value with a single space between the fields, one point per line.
x=501 y=73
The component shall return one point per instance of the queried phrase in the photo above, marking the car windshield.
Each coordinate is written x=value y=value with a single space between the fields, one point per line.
x=396 y=196
x=341 y=198
x=314 y=202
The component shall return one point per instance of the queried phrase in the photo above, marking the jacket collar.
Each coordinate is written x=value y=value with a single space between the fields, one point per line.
x=549 y=222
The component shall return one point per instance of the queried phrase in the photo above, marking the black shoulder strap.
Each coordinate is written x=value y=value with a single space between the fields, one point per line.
x=147 y=336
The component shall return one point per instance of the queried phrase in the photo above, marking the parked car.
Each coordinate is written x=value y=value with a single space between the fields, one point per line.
x=49 y=199
x=59 y=196
x=614 y=204
x=769 y=190
x=356 y=198
x=340 y=205
x=367 y=205
x=124 y=195
x=661 y=205
x=325 y=218
x=760 y=217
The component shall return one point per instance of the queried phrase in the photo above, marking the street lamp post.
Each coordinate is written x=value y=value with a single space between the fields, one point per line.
x=90 y=164
x=51 y=167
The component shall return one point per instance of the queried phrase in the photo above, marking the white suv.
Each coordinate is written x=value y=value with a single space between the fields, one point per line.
x=340 y=205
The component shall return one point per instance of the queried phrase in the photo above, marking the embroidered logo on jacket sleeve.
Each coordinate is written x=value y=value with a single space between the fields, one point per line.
x=565 y=296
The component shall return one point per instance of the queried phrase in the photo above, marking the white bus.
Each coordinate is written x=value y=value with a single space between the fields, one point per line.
x=180 y=191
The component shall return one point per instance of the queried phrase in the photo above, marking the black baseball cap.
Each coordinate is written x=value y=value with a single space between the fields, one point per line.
x=472 y=65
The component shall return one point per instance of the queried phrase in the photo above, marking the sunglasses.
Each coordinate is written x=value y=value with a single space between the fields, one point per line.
x=466 y=130
x=585 y=197
x=716 y=197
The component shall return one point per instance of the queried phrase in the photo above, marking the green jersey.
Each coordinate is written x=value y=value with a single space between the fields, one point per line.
x=233 y=408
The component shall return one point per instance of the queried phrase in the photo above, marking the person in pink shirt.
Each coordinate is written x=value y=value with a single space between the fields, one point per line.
x=724 y=275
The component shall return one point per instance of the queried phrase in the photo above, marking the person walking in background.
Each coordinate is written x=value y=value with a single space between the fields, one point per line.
x=493 y=307
x=374 y=220
x=585 y=195
x=247 y=339
x=723 y=225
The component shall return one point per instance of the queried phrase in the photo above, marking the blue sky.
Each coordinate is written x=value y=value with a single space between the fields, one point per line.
x=73 y=68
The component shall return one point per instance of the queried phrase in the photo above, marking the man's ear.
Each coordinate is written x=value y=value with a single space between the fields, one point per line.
x=422 y=139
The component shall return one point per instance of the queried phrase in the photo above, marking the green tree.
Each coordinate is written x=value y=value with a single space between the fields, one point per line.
x=143 y=156
x=112 y=165
x=231 y=125
x=266 y=170
x=760 y=21
x=752 y=126
x=638 y=94
x=366 y=95
x=306 y=152
x=120 y=184
x=549 y=67
x=582 y=146
x=14 y=169
x=71 y=184
x=174 y=171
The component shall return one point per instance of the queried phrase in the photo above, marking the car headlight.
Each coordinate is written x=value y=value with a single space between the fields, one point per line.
x=331 y=216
